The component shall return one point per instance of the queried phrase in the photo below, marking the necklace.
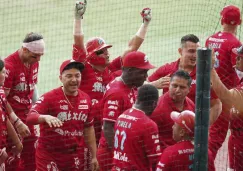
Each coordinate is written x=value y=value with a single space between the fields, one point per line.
x=67 y=99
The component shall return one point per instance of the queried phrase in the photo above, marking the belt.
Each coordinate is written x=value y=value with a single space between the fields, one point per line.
x=64 y=150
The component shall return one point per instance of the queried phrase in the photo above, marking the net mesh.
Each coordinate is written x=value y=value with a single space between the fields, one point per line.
x=116 y=22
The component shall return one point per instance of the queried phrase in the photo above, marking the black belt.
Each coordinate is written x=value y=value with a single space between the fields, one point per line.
x=64 y=150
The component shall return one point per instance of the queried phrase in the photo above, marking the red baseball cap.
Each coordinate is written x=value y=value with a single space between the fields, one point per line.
x=238 y=51
x=231 y=15
x=70 y=61
x=185 y=119
x=137 y=59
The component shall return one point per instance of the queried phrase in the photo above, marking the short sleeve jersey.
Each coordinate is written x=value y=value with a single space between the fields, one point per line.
x=75 y=116
x=223 y=43
x=3 y=119
x=136 y=142
x=161 y=116
x=118 y=98
x=20 y=80
x=93 y=81
x=169 y=69
x=179 y=157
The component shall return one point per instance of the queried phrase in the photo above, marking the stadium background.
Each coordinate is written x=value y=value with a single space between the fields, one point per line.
x=115 y=21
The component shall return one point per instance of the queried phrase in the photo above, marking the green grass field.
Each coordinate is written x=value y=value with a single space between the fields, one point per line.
x=115 y=21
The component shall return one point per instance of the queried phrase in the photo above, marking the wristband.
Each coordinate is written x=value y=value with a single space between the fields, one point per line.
x=142 y=31
x=16 y=121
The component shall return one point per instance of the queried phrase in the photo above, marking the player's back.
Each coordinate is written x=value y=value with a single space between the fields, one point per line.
x=178 y=157
x=223 y=43
x=132 y=149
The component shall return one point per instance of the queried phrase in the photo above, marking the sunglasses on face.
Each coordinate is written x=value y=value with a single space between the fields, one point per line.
x=100 y=52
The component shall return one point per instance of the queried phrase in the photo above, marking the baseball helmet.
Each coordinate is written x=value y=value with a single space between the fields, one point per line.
x=186 y=120
x=230 y=15
x=92 y=46
x=238 y=51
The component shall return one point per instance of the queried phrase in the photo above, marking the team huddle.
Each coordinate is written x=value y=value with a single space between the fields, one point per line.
x=108 y=115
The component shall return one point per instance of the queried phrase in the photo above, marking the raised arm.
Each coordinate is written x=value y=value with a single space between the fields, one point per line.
x=79 y=51
x=139 y=37
x=226 y=96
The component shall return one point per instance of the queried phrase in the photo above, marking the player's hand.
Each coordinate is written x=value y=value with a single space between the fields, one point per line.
x=80 y=8
x=3 y=155
x=22 y=129
x=146 y=15
x=52 y=121
x=161 y=83
x=94 y=164
x=17 y=149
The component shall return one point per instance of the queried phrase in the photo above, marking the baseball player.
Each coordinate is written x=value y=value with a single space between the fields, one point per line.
x=174 y=100
x=179 y=157
x=187 y=62
x=6 y=128
x=64 y=117
x=95 y=55
x=136 y=142
x=19 y=86
x=120 y=96
x=232 y=100
x=222 y=43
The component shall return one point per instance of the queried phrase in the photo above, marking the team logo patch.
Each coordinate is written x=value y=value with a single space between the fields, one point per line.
x=100 y=41
x=146 y=59
x=83 y=107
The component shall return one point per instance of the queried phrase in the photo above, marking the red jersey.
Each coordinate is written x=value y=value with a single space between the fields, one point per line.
x=93 y=81
x=179 y=157
x=223 y=43
x=161 y=116
x=117 y=98
x=73 y=111
x=169 y=69
x=3 y=120
x=136 y=144
x=20 y=80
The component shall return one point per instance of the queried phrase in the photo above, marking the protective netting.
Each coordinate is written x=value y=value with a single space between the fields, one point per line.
x=116 y=22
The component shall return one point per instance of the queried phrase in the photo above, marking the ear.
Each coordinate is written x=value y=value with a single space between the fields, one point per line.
x=25 y=49
x=180 y=51
x=182 y=132
x=60 y=78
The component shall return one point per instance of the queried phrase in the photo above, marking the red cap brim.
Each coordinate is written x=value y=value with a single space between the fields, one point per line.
x=147 y=66
x=104 y=46
x=234 y=50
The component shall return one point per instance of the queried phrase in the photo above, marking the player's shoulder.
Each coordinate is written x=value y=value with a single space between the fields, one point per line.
x=11 y=60
x=190 y=102
x=53 y=94
x=169 y=67
x=115 y=87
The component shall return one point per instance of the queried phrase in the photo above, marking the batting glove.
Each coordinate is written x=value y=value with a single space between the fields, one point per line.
x=146 y=15
x=80 y=8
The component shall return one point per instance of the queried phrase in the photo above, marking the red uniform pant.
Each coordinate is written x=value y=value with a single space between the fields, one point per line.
x=58 y=160
x=217 y=133
x=235 y=147
x=27 y=159
x=105 y=158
